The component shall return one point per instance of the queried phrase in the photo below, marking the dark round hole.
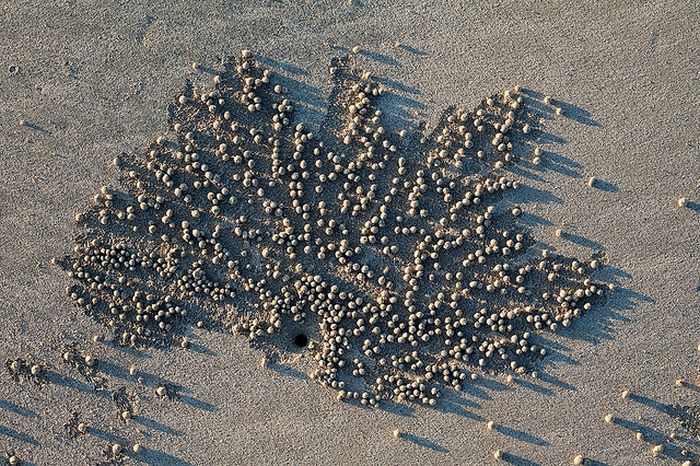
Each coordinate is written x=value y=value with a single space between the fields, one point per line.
x=301 y=340
x=12 y=69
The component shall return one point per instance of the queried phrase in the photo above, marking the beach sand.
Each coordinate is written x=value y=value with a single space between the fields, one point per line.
x=93 y=80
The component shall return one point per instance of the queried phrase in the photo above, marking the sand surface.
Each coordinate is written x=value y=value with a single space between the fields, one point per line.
x=94 y=80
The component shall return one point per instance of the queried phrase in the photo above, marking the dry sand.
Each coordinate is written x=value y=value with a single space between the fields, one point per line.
x=94 y=81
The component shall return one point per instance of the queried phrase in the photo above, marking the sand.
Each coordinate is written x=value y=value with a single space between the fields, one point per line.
x=94 y=81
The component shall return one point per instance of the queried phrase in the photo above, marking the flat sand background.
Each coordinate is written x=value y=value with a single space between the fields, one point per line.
x=94 y=80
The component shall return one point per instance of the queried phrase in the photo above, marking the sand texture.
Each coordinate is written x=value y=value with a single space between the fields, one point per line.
x=606 y=93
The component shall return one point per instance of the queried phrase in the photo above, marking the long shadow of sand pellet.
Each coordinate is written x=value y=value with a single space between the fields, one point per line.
x=552 y=380
x=75 y=384
x=197 y=403
x=516 y=460
x=106 y=436
x=155 y=425
x=521 y=435
x=694 y=206
x=17 y=409
x=458 y=409
x=606 y=186
x=537 y=388
x=413 y=50
x=582 y=241
x=650 y=402
x=159 y=458
x=423 y=442
x=287 y=371
x=201 y=349
x=16 y=435
x=593 y=462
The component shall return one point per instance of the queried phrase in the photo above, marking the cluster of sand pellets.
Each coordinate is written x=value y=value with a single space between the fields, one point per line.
x=395 y=258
